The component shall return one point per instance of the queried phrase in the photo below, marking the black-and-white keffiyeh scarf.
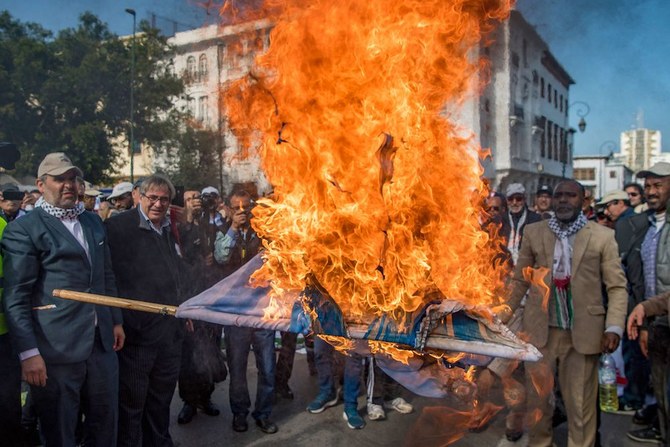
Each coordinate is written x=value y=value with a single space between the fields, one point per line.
x=514 y=242
x=562 y=268
x=60 y=213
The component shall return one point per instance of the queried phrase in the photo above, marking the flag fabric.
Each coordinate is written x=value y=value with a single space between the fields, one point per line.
x=233 y=301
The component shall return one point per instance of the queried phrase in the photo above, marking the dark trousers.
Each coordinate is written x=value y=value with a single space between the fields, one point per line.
x=94 y=384
x=10 y=394
x=659 y=356
x=196 y=388
x=147 y=380
x=285 y=360
x=324 y=356
x=637 y=370
x=239 y=341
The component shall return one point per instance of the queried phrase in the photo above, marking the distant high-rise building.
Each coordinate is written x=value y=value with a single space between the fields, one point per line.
x=640 y=147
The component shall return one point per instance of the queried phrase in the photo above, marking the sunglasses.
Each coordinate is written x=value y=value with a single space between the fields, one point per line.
x=515 y=199
x=494 y=208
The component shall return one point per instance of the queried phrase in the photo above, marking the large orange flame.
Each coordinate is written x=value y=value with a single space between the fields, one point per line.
x=377 y=191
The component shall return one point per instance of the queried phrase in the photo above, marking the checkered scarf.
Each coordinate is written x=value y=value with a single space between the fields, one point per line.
x=60 y=213
x=562 y=269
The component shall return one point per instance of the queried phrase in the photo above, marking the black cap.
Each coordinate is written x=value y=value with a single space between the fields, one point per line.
x=9 y=187
x=544 y=189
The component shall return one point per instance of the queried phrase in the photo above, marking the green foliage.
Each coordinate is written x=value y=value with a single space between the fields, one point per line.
x=194 y=162
x=72 y=93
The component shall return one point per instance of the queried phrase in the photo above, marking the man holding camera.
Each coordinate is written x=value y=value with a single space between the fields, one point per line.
x=232 y=250
x=197 y=235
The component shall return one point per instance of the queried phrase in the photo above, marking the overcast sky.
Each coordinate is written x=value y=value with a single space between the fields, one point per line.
x=617 y=51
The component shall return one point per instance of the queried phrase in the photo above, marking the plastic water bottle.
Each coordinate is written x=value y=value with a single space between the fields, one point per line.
x=609 y=400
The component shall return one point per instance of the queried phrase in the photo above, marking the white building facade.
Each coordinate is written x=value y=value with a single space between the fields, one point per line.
x=524 y=110
x=209 y=59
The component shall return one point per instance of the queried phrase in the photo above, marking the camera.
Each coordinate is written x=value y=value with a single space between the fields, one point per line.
x=13 y=195
x=208 y=202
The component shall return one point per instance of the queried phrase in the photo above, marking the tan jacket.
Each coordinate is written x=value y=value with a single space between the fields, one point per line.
x=656 y=305
x=595 y=262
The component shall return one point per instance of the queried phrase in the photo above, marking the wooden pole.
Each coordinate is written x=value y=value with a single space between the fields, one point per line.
x=124 y=303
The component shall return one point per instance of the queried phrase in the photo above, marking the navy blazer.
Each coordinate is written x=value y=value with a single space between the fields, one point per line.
x=41 y=255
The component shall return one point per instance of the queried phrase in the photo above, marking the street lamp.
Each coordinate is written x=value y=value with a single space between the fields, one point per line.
x=609 y=145
x=583 y=109
x=132 y=94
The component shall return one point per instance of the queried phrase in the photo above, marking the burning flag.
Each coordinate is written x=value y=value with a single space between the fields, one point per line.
x=377 y=192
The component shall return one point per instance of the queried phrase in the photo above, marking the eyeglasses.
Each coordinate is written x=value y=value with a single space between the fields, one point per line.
x=153 y=199
x=515 y=199
x=494 y=208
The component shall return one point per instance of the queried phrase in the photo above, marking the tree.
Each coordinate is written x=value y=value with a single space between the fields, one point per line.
x=71 y=93
x=193 y=161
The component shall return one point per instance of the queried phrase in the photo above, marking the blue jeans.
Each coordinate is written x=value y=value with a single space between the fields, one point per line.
x=324 y=359
x=238 y=341
x=637 y=371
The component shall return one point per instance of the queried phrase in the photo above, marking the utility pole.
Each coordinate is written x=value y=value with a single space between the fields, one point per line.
x=132 y=97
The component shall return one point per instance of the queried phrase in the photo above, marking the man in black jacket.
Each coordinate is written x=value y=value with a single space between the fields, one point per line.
x=147 y=267
x=629 y=232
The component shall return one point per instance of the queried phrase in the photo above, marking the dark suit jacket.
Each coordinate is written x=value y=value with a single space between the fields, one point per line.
x=629 y=234
x=40 y=255
x=147 y=268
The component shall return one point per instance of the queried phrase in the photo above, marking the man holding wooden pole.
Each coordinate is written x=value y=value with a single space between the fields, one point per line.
x=66 y=348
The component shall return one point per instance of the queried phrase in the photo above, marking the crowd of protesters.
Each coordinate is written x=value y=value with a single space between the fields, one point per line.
x=97 y=375
x=102 y=376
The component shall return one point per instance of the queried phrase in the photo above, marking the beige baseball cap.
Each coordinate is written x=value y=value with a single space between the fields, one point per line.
x=660 y=169
x=90 y=190
x=611 y=196
x=56 y=163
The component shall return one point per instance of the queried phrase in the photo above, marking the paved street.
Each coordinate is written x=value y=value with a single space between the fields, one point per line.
x=431 y=418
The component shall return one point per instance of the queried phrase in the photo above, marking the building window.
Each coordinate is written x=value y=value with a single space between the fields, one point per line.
x=549 y=93
x=612 y=174
x=550 y=140
x=581 y=174
x=190 y=106
x=202 y=68
x=542 y=87
x=561 y=104
x=190 y=69
x=203 y=114
x=515 y=59
x=525 y=53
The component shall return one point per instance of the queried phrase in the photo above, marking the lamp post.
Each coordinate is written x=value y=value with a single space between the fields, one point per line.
x=582 y=110
x=132 y=94
x=609 y=144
